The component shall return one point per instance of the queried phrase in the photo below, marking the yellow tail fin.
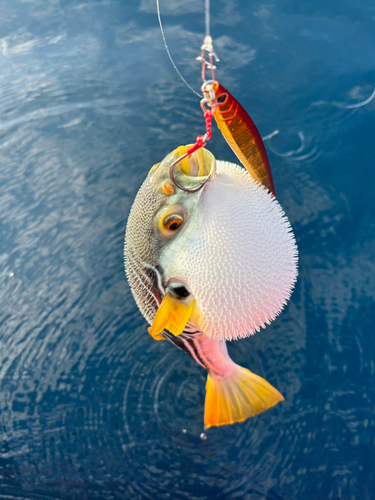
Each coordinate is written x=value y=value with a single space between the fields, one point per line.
x=236 y=398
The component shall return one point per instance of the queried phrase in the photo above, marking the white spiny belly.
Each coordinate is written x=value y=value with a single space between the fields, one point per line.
x=237 y=254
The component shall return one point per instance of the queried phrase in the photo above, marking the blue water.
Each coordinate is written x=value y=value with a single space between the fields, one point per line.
x=90 y=406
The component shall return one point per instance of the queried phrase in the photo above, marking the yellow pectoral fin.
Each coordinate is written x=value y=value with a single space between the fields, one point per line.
x=172 y=315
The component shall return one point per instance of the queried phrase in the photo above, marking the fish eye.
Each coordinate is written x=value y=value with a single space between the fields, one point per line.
x=222 y=98
x=173 y=222
x=170 y=221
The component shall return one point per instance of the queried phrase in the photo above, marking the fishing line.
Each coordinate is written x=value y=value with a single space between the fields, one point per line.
x=207 y=17
x=167 y=49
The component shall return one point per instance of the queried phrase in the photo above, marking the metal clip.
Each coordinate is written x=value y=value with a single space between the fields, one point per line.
x=209 y=48
x=208 y=88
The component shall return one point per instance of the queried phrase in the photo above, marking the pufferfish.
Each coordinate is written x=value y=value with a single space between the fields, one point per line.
x=210 y=265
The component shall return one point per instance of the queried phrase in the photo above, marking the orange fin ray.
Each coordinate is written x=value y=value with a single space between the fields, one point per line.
x=237 y=398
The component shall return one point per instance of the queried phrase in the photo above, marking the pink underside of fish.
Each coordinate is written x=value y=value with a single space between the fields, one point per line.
x=215 y=357
x=233 y=393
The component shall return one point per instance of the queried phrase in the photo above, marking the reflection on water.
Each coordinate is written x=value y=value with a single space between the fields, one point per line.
x=90 y=406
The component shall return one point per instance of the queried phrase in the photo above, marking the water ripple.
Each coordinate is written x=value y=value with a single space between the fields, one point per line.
x=92 y=407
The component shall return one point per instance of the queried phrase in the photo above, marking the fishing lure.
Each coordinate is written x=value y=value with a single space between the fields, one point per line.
x=235 y=124
x=241 y=134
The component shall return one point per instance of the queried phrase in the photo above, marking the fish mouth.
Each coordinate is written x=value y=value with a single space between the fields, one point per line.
x=198 y=164
x=194 y=170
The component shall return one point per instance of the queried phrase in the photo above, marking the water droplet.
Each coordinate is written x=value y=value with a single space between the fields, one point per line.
x=203 y=436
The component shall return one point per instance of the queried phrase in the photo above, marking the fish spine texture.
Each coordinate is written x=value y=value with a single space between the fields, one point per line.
x=139 y=252
x=236 y=252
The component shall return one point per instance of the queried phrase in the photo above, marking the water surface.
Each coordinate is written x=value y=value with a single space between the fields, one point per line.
x=90 y=406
